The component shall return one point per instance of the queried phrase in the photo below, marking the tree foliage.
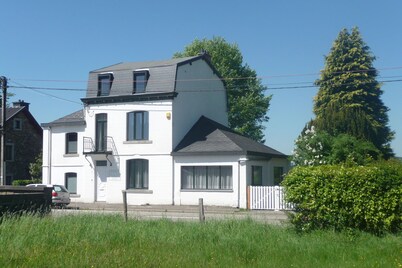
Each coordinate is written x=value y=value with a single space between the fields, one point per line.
x=248 y=105
x=348 y=100
x=313 y=148
x=35 y=168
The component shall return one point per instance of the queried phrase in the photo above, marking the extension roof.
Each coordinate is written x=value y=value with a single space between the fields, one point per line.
x=76 y=118
x=208 y=137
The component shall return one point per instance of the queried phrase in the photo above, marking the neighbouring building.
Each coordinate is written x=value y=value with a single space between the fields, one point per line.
x=23 y=139
x=159 y=131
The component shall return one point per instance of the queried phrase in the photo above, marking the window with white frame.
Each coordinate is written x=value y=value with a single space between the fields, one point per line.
x=140 y=81
x=206 y=177
x=104 y=84
x=71 y=182
x=137 y=126
x=137 y=174
x=71 y=143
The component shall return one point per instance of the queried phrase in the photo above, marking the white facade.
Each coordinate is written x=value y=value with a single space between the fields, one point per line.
x=101 y=177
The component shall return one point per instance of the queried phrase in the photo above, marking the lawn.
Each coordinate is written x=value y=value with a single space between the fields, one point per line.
x=108 y=241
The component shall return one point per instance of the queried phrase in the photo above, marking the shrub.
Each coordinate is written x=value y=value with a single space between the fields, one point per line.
x=367 y=198
x=25 y=182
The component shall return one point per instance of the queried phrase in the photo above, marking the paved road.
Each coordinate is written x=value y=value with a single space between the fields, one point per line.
x=189 y=213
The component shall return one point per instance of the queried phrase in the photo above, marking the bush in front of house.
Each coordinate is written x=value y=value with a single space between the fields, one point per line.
x=25 y=182
x=366 y=198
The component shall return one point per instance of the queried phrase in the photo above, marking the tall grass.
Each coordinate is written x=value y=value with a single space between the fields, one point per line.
x=107 y=241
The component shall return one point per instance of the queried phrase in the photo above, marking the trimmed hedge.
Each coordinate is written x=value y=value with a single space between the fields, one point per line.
x=25 y=182
x=366 y=198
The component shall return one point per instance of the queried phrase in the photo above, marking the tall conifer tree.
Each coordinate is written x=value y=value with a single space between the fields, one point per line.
x=348 y=100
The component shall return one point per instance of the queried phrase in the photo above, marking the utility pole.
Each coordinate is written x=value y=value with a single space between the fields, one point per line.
x=3 y=82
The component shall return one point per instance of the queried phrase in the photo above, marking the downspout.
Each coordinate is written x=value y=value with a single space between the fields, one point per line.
x=173 y=180
x=49 y=155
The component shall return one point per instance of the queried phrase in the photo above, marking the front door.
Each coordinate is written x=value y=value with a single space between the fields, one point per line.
x=101 y=180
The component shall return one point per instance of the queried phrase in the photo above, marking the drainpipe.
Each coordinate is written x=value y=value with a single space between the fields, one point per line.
x=173 y=179
x=49 y=155
x=240 y=163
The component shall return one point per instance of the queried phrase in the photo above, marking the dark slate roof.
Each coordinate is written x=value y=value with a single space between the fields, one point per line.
x=13 y=111
x=209 y=137
x=76 y=118
x=162 y=77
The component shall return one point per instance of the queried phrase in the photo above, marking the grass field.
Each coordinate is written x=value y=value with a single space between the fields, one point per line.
x=108 y=241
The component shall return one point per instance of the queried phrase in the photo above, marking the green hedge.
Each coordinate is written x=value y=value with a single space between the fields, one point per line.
x=25 y=182
x=367 y=198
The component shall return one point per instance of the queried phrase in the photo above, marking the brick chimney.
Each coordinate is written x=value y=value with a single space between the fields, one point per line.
x=20 y=103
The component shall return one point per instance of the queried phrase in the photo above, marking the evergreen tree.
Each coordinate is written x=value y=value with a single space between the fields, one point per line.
x=348 y=100
x=248 y=105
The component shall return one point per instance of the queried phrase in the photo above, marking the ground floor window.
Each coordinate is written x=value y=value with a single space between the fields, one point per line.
x=137 y=174
x=206 y=177
x=278 y=175
x=256 y=177
x=71 y=182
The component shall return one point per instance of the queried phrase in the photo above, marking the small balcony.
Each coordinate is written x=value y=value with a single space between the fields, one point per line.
x=103 y=145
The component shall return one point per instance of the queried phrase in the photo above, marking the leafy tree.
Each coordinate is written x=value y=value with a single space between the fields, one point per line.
x=35 y=168
x=313 y=148
x=248 y=105
x=348 y=100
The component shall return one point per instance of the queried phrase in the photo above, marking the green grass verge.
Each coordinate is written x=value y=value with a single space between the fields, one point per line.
x=107 y=241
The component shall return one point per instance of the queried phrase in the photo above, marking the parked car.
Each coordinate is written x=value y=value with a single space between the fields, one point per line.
x=60 y=195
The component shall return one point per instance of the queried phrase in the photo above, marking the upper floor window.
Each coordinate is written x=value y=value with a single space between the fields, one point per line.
x=140 y=81
x=137 y=174
x=104 y=84
x=137 y=126
x=71 y=143
x=9 y=152
x=17 y=124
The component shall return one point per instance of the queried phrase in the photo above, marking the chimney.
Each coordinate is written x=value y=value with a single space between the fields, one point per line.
x=20 y=103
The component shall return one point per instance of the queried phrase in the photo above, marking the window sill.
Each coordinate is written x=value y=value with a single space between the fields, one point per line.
x=139 y=191
x=208 y=190
x=71 y=155
x=75 y=195
x=138 y=142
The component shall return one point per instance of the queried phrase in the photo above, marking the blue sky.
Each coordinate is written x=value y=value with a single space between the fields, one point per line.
x=48 y=43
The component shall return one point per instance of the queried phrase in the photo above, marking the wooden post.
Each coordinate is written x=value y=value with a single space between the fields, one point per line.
x=201 y=210
x=248 y=196
x=125 y=204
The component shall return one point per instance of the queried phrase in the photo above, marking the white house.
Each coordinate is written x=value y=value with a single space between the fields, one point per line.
x=158 y=130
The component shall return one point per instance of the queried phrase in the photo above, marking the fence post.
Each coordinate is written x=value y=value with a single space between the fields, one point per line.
x=201 y=210
x=125 y=204
x=248 y=197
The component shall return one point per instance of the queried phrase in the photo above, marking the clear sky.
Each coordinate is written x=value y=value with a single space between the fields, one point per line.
x=47 y=43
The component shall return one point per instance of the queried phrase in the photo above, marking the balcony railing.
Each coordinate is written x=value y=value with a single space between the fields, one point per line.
x=102 y=146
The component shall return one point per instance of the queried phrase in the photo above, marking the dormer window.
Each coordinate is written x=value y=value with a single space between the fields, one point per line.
x=140 y=81
x=104 y=84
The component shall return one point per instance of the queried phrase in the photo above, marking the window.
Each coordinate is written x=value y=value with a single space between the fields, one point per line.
x=17 y=124
x=101 y=163
x=71 y=143
x=256 y=178
x=71 y=182
x=137 y=174
x=9 y=152
x=140 y=81
x=206 y=177
x=137 y=126
x=278 y=175
x=104 y=84
x=101 y=133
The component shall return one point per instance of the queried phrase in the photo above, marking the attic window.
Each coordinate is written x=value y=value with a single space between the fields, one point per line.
x=140 y=81
x=104 y=84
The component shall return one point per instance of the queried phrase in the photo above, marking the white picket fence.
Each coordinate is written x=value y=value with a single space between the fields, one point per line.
x=267 y=197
